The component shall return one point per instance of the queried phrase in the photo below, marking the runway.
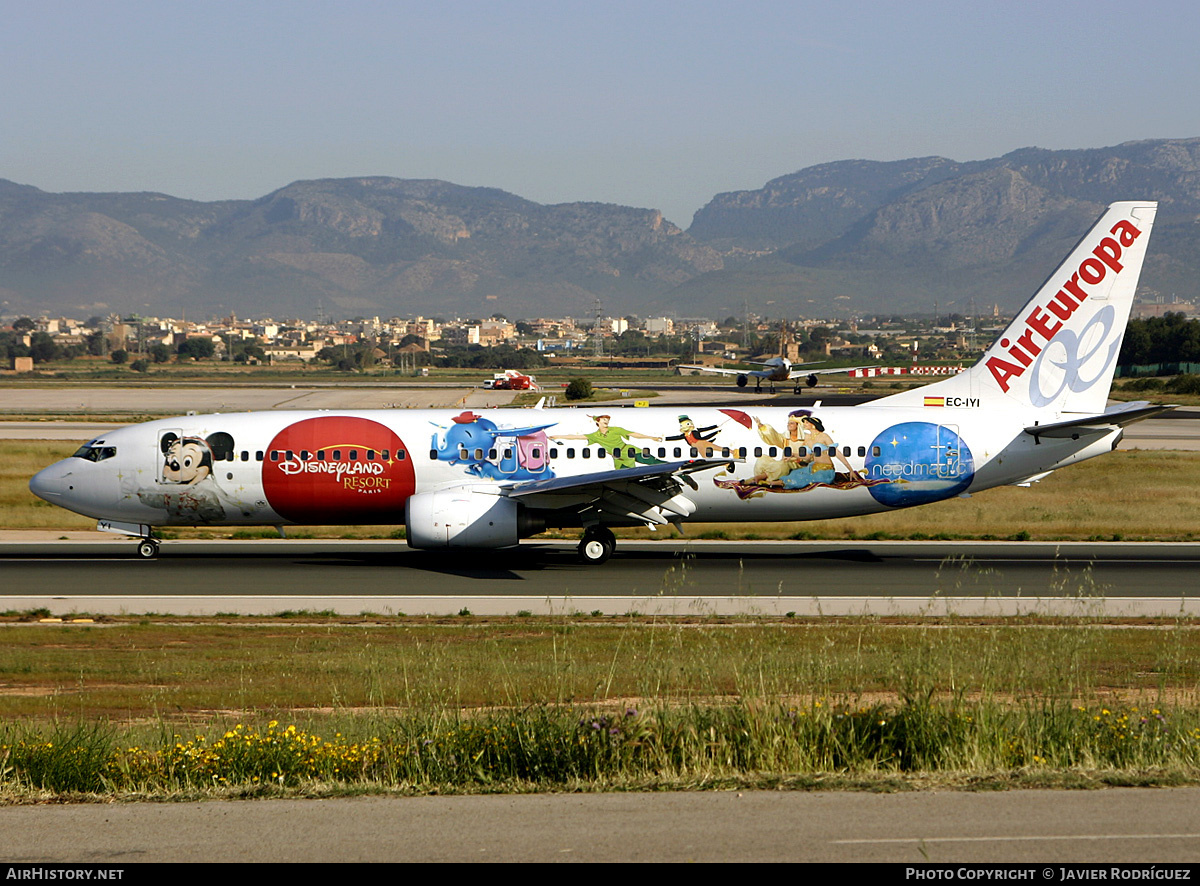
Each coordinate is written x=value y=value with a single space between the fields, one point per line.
x=669 y=578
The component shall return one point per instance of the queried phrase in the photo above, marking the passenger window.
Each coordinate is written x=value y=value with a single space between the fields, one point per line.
x=291 y=456
x=536 y=452
x=678 y=452
x=383 y=456
x=305 y=455
x=400 y=454
x=695 y=452
x=817 y=451
x=492 y=454
x=772 y=451
x=662 y=452
x=875 y=451
x=507 y=454
x=432 y=454
x=725 y=452
x=600 y=453
x=570 y=452
x=320 y=455
x=337 y=455
x=479 y=455
x=554 y=452
x=862 y=450
x=370 y=455
x=758 y=452
x=742 y=452
x=353 y=455
x=274 y=455
x=802 y=451
x=587 y=452
x=258 y=456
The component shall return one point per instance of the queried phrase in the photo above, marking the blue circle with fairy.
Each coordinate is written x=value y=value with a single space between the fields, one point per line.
x=921 y=462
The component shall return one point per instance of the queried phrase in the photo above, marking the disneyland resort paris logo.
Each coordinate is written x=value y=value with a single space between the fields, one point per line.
x=361 y=476
x=324 y=479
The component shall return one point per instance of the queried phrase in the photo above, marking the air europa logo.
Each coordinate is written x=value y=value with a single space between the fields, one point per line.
x=1045 y=321
x=320 y=478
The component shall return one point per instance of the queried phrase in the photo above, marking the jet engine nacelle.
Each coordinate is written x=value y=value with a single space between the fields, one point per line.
x=461 y=518
x=741 y=380
x=811 y=381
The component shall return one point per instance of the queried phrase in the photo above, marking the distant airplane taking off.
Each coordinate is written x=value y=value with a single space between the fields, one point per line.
x=1035 y=402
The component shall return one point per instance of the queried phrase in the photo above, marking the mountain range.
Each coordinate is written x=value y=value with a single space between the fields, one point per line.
x=850 y=237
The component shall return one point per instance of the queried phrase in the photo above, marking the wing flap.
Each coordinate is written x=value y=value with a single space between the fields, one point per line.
x=641 y=475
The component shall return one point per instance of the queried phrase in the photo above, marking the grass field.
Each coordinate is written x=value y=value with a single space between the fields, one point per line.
x=147 y=709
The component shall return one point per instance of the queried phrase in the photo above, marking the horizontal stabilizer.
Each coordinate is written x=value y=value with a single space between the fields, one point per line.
x=1113 y=417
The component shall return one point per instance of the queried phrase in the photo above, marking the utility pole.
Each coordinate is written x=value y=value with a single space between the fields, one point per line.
x=597 y=333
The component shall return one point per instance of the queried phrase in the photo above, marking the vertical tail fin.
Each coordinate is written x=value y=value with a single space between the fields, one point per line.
x=1060 y=352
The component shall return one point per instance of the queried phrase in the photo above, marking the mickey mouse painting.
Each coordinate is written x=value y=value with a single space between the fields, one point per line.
x=189 y=460
x=187 y=489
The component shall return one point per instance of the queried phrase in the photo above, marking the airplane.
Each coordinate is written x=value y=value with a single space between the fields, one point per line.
x=779 y=369
x=461 y=480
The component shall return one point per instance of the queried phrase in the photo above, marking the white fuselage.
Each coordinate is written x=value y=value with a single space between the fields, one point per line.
x=361 y=467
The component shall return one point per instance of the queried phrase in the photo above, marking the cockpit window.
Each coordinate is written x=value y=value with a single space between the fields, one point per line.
x=95 y=453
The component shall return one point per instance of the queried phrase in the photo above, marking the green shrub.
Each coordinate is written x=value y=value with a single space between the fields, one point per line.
x=579 y=389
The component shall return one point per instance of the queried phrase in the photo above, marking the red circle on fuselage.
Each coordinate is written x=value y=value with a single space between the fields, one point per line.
x=338 y=469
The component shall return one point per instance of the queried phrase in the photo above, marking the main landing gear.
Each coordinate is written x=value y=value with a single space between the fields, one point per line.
x=597 y=545
x=147 y=548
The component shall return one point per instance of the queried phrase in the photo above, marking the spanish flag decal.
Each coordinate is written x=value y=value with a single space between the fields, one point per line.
x=935 y=401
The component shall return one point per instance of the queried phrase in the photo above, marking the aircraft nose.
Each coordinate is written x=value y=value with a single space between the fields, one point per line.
x=48 y=484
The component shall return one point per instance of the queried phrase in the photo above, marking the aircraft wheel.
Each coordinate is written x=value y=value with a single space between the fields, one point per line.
x=147 y=549
x=597 y=545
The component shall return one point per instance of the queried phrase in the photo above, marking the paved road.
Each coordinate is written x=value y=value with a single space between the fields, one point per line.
x=170 y=398
x=1031 y=827
x=671 y=577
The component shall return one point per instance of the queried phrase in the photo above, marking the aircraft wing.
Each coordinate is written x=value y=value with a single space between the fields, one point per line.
x=804 y=373
x=1114 y=417
x=651 y=494
x=719 y=371
x=795 y=367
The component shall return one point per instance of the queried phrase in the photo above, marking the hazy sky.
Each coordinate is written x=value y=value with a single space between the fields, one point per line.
x=645 y=103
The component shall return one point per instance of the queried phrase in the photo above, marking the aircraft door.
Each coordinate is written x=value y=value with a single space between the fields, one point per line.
x=948 y=460
x=532 y=449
